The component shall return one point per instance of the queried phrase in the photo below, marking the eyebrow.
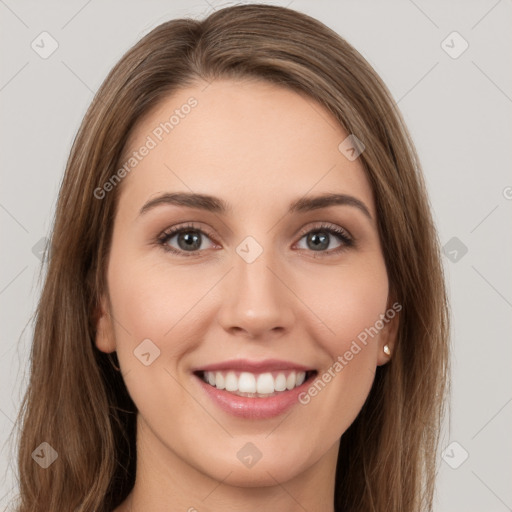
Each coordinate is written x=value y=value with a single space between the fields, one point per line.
x=217 y=205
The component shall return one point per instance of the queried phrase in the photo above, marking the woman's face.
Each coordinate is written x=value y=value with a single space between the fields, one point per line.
x=257 y=293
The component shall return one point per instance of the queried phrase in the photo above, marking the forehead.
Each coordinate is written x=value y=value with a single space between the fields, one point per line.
x=251 y=142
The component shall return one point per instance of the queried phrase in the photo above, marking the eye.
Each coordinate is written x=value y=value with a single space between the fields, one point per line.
x=190 y=239
x=319 y=238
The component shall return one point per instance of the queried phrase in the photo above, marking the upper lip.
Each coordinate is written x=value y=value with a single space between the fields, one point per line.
x=266 y=365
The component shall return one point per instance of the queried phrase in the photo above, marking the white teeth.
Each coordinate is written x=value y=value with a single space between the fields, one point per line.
x=261 y=384
x=247 y=383
x=265 y=384
x=231 y=381
x=219 y=381
x=280 y=383
x=290 y=381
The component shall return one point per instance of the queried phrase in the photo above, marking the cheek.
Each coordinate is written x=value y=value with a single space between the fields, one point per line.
x=152 y=304
x=349 y=301
x=149 y=304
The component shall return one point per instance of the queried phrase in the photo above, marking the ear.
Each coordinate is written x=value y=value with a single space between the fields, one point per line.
x=105 y=339
x=389 y=333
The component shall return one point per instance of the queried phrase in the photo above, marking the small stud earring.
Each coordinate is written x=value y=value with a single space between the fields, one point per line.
x=387 y=351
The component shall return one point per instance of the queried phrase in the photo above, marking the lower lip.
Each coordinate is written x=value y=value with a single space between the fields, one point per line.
x=254 y=408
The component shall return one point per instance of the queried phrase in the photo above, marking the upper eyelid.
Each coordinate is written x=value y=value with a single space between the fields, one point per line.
x=175 y=230
x=327 y=226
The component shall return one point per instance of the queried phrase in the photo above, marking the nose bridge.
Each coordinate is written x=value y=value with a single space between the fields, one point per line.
x=256 y=299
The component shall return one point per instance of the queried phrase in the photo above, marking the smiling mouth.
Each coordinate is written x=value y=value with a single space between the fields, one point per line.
x=256 y=385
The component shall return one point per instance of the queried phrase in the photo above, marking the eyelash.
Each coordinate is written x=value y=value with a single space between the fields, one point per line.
x=347 y=241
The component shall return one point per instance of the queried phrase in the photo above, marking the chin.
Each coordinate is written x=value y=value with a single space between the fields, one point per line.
x=265 y=476
x=264 y=473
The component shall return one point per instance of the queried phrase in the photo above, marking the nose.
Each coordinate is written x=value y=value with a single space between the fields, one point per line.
x=257 y=301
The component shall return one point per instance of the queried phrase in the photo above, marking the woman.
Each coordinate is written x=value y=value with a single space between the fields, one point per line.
x=244 y=307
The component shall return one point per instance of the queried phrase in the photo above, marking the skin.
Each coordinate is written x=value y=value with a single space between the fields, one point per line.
x=244 y=141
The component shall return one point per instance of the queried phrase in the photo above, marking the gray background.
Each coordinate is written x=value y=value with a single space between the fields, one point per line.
x=457 y=109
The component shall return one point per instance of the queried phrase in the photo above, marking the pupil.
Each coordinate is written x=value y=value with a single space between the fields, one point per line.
x=191 y=240
x=323 y=243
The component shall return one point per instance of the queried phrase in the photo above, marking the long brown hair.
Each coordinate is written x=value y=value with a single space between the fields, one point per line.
x=78 y=404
